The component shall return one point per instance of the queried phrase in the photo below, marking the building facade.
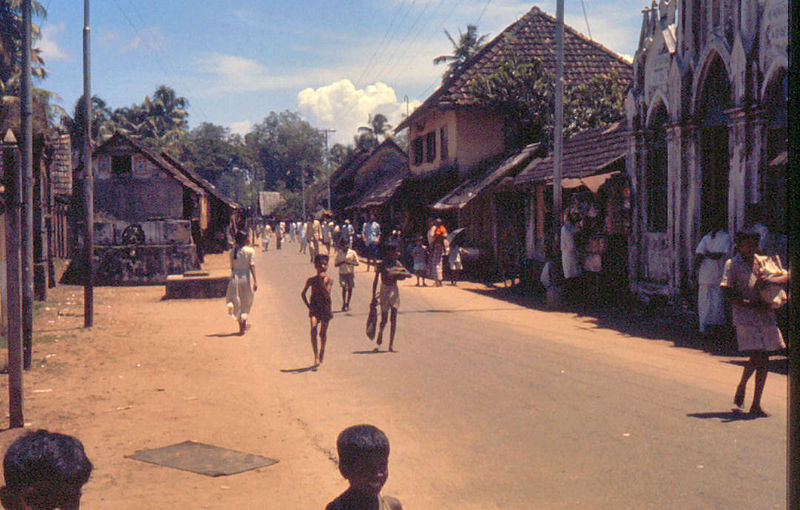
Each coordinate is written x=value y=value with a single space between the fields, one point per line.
x=707 y=123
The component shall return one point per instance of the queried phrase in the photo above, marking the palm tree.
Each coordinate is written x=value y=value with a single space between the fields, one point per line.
x=102 y=125
x=469 y=43
x=11 y=51
x=366 y=138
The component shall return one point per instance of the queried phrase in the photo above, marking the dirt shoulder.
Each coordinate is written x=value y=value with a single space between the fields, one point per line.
x=151 y=373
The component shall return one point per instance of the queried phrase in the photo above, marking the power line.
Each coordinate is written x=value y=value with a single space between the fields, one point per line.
x=157 y=57
x=583 y=6
x=484 y=10
x=370 y=61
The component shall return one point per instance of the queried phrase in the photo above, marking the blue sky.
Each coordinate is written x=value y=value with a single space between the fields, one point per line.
x=333 y=61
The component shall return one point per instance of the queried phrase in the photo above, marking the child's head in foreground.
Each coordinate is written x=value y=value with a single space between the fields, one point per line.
x=364 y=458
x=44 y=471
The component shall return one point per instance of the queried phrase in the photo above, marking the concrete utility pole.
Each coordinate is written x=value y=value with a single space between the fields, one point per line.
x=13 y=185
x=792 y=213
x=559 y=121
x=328 y=163
x=88 y=182
x=26 y=124
x=303 y=190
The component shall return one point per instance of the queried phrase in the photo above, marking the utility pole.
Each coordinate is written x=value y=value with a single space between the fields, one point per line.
x=793 y=195
x=13 y=185
x=303 y=192
x=328 y=163
x=88 y=180
x=26 y=125
x=559 y=121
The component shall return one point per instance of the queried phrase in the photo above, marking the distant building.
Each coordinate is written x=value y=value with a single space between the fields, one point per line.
x=268 y=201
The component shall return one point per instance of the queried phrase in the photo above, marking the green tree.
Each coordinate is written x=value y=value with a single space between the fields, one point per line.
x=282 y=145
x=102 y=126
x=160 y=122
x=212 y=152
x=11 y=34
x=341 y=153
x=523 y=93
x=469 y=43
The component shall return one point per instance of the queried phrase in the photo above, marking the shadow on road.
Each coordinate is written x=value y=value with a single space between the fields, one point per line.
x=654 y=322
x=779 y=365
x=311 y=368
x=725 y=416
x=372 y=351
x=222 y=335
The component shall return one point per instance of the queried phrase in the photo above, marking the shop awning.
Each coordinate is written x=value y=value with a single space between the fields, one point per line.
x=471 y=188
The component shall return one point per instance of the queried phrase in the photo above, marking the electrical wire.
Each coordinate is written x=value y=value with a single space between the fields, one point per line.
x=585 y=17
x=157 y=57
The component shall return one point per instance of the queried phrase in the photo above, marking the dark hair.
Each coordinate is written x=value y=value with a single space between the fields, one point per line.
x=48 y=457
x=320 y=257
x=360 y=441
x=746 y=235
x=240 y=239
x=389 y=248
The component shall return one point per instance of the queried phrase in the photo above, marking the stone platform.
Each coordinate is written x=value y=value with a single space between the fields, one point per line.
x=196 y=285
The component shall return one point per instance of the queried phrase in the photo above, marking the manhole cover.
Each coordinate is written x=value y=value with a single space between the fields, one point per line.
x=203 y=459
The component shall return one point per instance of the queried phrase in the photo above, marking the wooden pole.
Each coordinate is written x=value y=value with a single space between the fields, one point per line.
x=13 y=185
x=26 y=124
x=88 y=182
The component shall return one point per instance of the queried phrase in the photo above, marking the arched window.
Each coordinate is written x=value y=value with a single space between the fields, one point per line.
x=656 y=178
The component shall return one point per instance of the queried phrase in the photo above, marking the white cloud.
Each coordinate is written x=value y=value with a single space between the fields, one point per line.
x=240 y=128
x=48 y=44
x=343 y=107
x=231 y=74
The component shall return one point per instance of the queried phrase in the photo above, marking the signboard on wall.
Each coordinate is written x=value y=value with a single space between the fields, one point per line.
x=140 y=167
x=103 y=167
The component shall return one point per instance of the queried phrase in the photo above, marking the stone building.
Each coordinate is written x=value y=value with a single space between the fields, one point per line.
x=707 y=122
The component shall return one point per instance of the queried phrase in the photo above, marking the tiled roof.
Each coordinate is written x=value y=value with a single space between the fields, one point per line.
x=380 y=193
x=530 y=37
x=200 y=181
x=471 y=188
x=154 y=158
x=585 y=154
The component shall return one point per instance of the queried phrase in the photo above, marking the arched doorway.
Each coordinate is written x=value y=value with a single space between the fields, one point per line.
x=773 y=176
x=712 y=102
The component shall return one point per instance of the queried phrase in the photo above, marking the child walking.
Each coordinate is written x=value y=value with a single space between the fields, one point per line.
x=454 y=260
x=389 y=270
x=319 y=306
x=419 y=255
x=364 y=462
x=346 y=261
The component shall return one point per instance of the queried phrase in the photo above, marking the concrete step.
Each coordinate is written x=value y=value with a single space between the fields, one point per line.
x=196 y=286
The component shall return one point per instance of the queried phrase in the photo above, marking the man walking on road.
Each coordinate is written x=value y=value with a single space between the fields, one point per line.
x=371 y=234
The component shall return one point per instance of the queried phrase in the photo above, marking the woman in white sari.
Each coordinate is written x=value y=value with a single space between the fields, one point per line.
x=239 y=297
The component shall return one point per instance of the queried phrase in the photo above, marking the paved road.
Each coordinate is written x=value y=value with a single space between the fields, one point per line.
x=491 y=405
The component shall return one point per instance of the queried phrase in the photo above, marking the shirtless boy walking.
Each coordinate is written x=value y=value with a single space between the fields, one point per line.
x=319 y=306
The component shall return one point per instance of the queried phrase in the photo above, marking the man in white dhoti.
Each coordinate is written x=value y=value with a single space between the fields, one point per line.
x=710 y=256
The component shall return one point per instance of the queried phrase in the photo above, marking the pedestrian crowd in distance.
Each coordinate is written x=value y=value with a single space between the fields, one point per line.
x=327 y=242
